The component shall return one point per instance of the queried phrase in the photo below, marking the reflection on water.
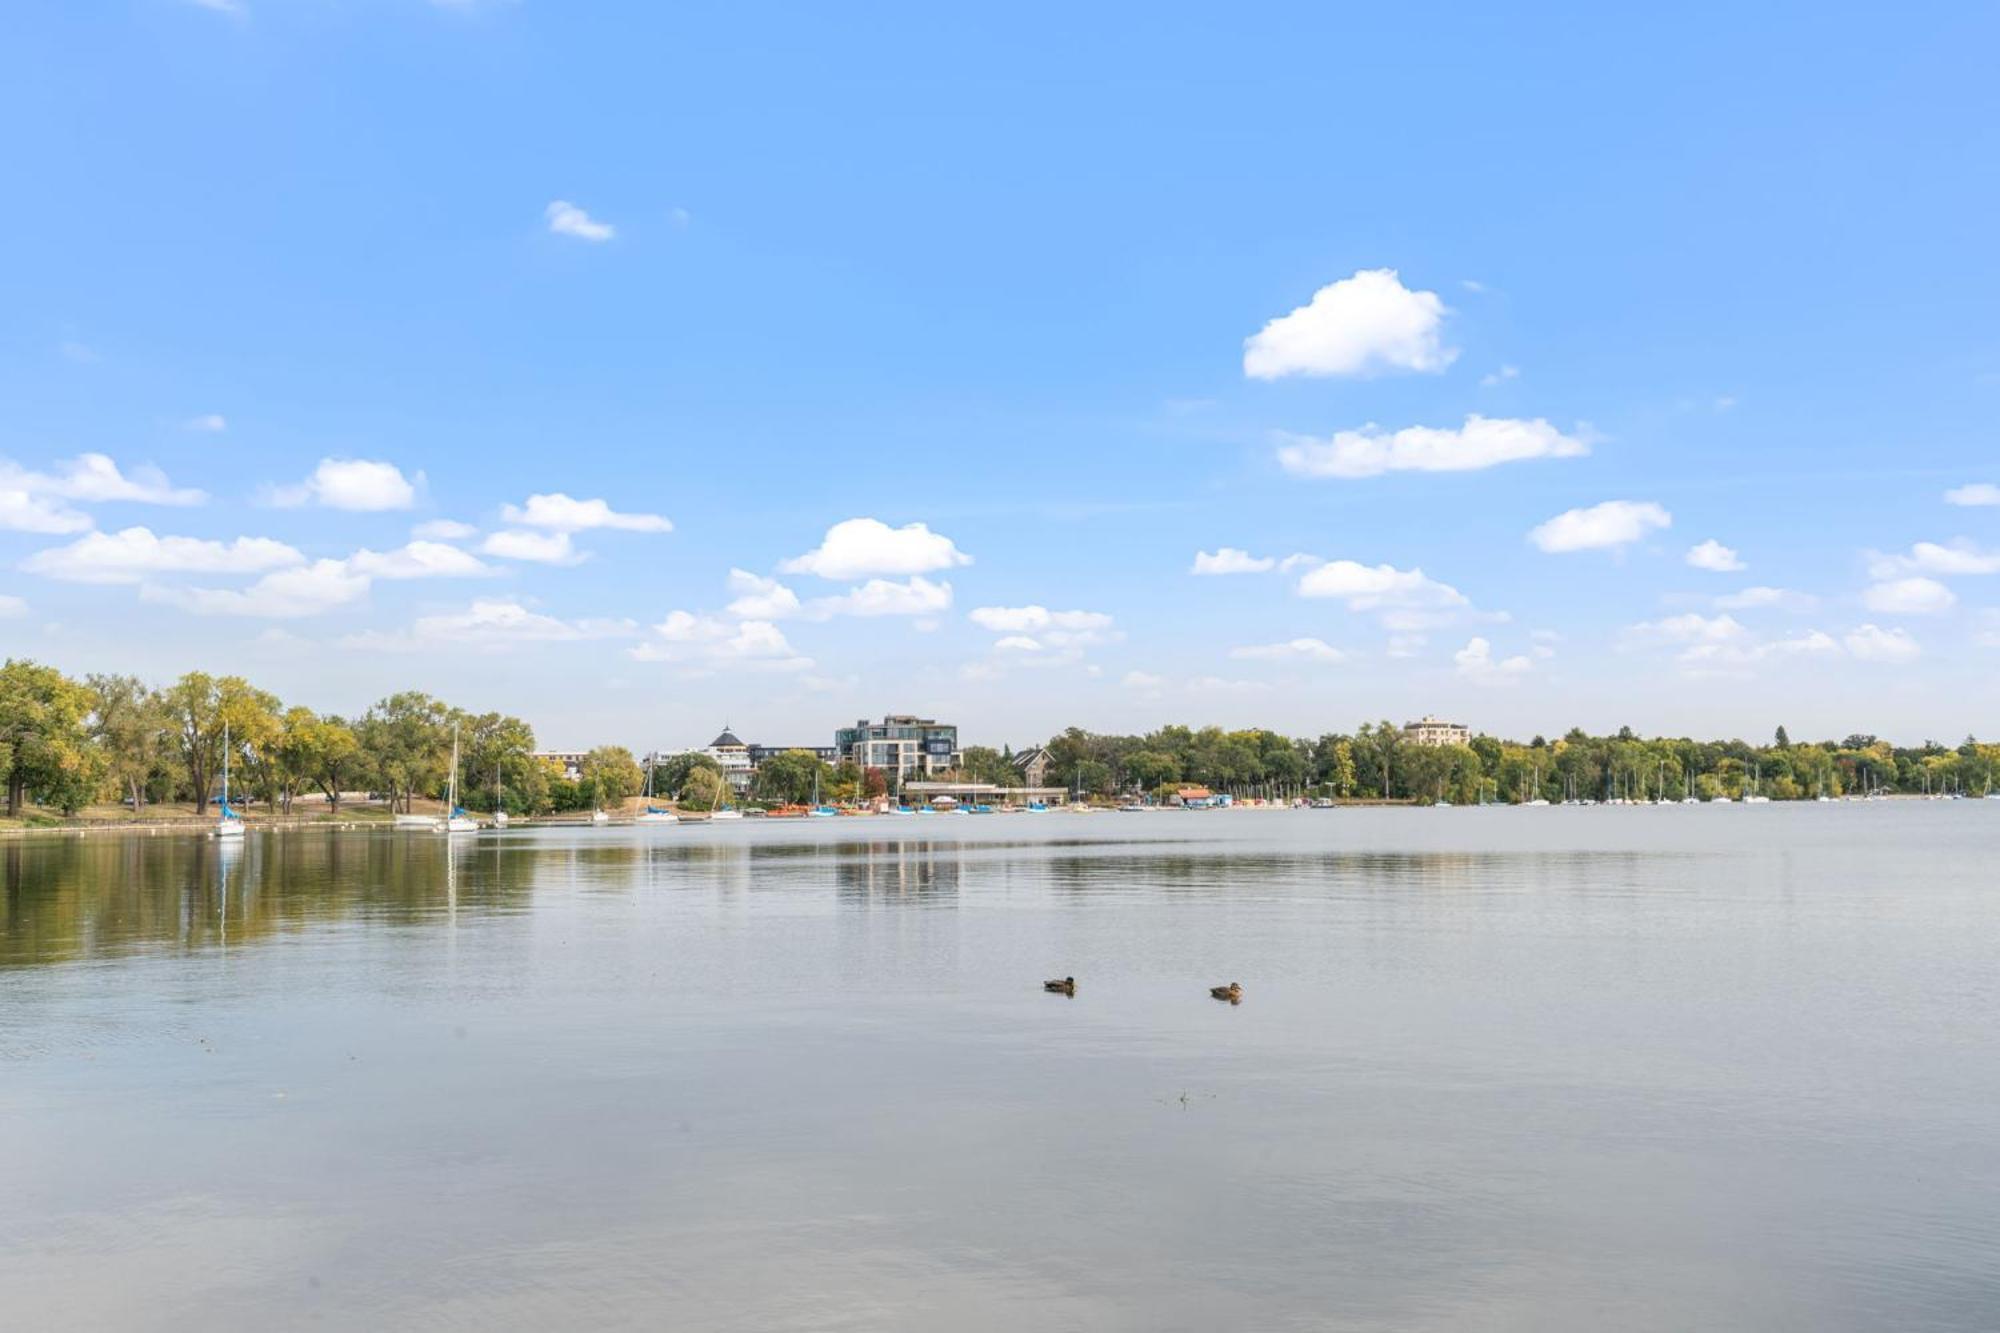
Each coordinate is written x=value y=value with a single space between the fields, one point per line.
x=1520 y=1069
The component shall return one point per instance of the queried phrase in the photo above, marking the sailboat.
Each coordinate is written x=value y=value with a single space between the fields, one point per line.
x=456 y=820
x=1752 y=797
x=653 y=814
x=499 y=809
x=228 y=824
x=820 y=811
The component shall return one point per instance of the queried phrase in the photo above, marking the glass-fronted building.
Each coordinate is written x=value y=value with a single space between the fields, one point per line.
x=901 y=745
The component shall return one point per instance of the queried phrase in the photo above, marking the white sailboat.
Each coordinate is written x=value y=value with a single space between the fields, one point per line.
x=653 y=814
x=456 y=820
x=499 y=810
x=228 y=824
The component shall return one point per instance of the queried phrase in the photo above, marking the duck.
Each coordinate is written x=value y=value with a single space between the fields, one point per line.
x=1232 y=992
x=1061 y=986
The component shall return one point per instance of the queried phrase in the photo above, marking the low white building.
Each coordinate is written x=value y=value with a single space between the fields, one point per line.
x=1429 y=730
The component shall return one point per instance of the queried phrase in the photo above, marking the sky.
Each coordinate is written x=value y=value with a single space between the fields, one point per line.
x=639 y=369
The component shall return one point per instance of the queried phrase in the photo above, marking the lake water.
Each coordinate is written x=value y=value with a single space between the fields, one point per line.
x=1494 y=1068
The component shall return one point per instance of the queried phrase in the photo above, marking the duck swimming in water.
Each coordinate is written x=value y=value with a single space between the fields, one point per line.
x=1232 y=992
x=1061 y=986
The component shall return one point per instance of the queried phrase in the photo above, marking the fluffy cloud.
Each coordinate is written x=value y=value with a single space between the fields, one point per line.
x=356 y=484
x=1959 y=557
x=860 y=546
x=1871 y=643
x=1909 y=597
x=759 y=598
x=1978 y=493
x=208 y=423
x=1482 y=442
x=1611 y=524
x=1493 y=379
x=419 y=560
x=1691 y=627
x=1028 y=619
x=886 y=597
x=1229 y=560
x=1476 y=663
x=1722 y=645
x=1752 y=598
x=560 y=513
x=1143 y=682
x=1714 y=557
x=543 y=548
x=1374 y=587
x=309 y=590
x=1315 y=650
x=136 y=554
x=489 y=623
x=95 y=478
x=1364 y=325
x=566 y=219
x=687 y=638
x=443 y=530
x=1736 y=656
x=21 y=511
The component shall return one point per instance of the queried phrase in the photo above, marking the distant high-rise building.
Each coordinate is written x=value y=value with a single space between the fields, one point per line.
x=901 y=745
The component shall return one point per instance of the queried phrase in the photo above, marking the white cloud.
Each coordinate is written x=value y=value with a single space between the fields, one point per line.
x=1959 y=557
x=1871 y=643
x=443 y=530
x=1018 y=643
x=1909 y=597
x=489 y=623
x=1611 y=524
x=356 y=484
x=696 y=639
x=566 y=219
x=1978 y=493
x=1373 y=587
x=1031 y=619
x=208 y=423
x=545 y=548
x=1714 y=557
x=1500 y=376
x=1363 y=325
x=859 y=546
x=1690 y=627
x=759 y=598
x=1482 y=442
x=309 y=590
x=12 y=607
x=560 y=513
x=21 y=511
x=885 y=597
x=1316 y=650
x=96 y=478
x=1143 y=682
x=1737 y=655
x=1477 y=664
x=419 y=560
x=1752 y=598
x=135 y=554
x=1229 y=560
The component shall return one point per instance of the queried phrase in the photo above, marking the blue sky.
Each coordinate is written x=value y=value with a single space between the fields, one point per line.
x=749 y=277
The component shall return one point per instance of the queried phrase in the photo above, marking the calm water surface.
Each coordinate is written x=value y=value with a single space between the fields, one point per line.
x=1505 y=1069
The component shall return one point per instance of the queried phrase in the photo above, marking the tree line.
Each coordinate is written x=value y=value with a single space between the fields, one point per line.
x=67 y=743
x=1376 y=762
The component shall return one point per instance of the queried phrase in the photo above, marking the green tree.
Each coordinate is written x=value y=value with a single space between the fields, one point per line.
x=44 y=741
x=131 y=727
x=612 y=774
x=789 y=778
x=200 y=708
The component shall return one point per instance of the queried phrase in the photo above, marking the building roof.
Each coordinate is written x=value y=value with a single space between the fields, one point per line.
x=726 y=740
